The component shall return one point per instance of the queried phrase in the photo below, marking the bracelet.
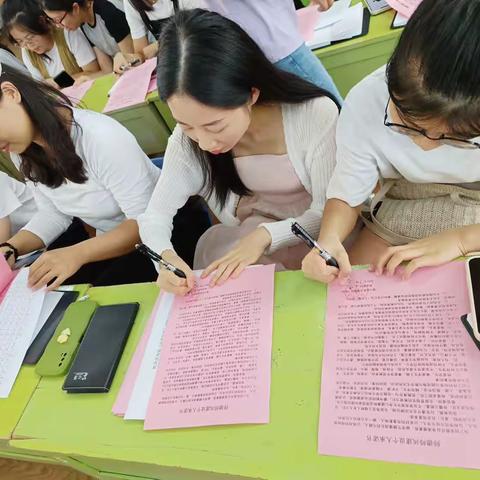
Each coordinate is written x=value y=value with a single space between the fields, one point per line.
x=12 y=250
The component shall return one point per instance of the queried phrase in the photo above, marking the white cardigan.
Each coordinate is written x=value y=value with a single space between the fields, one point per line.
x=310 y=138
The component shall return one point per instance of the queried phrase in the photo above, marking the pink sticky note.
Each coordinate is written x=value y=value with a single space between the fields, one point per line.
x=6 y=277
x=132 y=87
x=121 y=403
x=76 y=92
x=307 y=18
x=214 y=367
x=405 y=8
x=400 y=377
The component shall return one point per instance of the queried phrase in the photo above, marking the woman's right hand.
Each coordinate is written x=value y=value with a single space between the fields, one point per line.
x=315 y=267
x=169 y=282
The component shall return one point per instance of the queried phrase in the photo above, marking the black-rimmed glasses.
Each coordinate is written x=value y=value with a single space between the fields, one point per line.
x=444 y=139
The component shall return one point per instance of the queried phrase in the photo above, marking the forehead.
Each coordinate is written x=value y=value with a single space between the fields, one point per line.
x=19 y=32
x=190 y=111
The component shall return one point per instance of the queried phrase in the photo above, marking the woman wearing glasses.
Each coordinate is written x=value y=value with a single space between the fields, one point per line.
x=408 y=156
x=46 y=50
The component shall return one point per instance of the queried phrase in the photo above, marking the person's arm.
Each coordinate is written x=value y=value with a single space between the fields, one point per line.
x=105 y=62
x=117 y=25
x=354 y=178
x=429 y=252
x=5 y=229
x=82 y=51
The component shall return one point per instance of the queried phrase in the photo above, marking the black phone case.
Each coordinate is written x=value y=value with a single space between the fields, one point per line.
x=64 y=80
x=45 y=334
x=97 y=358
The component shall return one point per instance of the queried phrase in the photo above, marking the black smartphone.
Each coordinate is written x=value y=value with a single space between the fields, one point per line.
x=64 y=80
x=100 y=351
x=473 y=280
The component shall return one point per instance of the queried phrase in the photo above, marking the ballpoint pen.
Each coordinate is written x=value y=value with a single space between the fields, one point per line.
x=142 y=248
x=301 y=233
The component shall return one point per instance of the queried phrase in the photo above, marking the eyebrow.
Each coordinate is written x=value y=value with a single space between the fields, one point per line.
x=210 y=124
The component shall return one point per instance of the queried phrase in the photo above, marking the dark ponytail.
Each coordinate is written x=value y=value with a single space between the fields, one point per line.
x=58 y=163
x=214 y=61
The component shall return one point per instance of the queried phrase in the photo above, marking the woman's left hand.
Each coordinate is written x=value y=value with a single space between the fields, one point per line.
x=81 y=79
x=428 y=252
x=58 y=264
x=247 y=251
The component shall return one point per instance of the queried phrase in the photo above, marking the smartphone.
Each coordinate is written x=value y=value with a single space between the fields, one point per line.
x=377 y=6
x=473 y=283
x=64 y=80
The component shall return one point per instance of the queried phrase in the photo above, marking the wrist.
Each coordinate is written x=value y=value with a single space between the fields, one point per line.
x=264 y=237
x=467 y=238
x=81 y=252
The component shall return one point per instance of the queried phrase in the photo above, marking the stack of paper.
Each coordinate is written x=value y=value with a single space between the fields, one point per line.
x=406 y=8
x=399 y=21
x=204 y=359
x=19 y=315
x=340 y=22
x=132 y=87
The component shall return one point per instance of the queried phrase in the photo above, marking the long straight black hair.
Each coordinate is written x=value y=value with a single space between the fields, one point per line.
x=58 y=163
x=214 y=61
x=434 y=72
x=27 y=14
x=142 y=7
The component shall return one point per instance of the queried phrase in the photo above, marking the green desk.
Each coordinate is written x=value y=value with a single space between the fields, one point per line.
x=350 y=61
x=143 y=120
x=81 y=431
x=12 y=408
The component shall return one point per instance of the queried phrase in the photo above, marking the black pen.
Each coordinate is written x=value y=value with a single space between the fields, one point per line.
x=142 y=248
x=301 y=233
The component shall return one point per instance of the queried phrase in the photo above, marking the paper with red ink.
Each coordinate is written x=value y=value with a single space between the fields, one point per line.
x=406 y=8
x=76 y=92
x=400 y=378
x=6 y=277
x=307 y=19
x=121 y=403
x=132 y=87
x=215 y=361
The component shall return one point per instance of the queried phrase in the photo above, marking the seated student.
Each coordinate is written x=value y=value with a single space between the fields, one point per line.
x=146 y=19
x=256 y=142
x=103 y=24
x=17 y=206
x=81 y=164
x=46 y=50
x=416 y=123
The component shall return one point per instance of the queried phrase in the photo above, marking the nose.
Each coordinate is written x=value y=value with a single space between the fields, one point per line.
x=206 y=142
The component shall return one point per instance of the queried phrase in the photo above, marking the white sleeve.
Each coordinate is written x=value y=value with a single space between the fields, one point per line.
x=33 y=71
x=320 y=163
x=9 y=201
x=80 y=47
x=356 y=173
x=48 y=223
x=137 y=27
x=179 y=180
x=120 y=164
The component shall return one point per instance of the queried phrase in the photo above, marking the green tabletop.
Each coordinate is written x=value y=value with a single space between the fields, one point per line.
x=11 y=408
x=82 y=429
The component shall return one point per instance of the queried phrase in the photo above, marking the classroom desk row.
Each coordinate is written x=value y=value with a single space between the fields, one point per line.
x=348 y=62
x=40 y=422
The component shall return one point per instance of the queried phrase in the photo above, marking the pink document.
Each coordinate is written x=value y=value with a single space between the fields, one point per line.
x=121 y=403
x=6 y=277
x=400 y=377
x=215 y=363
x=76 y=92
x=406 y=8
x=132 y=87
x=307 y=18
x=153 y=84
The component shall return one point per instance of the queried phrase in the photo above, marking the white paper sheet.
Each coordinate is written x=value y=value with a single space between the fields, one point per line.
x=50 y=302
x=137 y=406
x=351 y=25
x=19 y=314
x=399 y=20
x=334 y=14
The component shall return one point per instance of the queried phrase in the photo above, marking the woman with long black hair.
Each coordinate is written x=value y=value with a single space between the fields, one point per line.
x=79 y=164
x=415 y=128
x=256 y=142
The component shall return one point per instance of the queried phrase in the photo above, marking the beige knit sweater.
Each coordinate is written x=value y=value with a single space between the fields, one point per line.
x=310 y=138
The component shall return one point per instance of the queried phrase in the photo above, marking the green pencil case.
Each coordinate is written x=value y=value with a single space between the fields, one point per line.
x=62 y=347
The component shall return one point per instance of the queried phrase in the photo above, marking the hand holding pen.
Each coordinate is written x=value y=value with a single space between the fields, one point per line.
x=175 y=276
x=327 y=260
